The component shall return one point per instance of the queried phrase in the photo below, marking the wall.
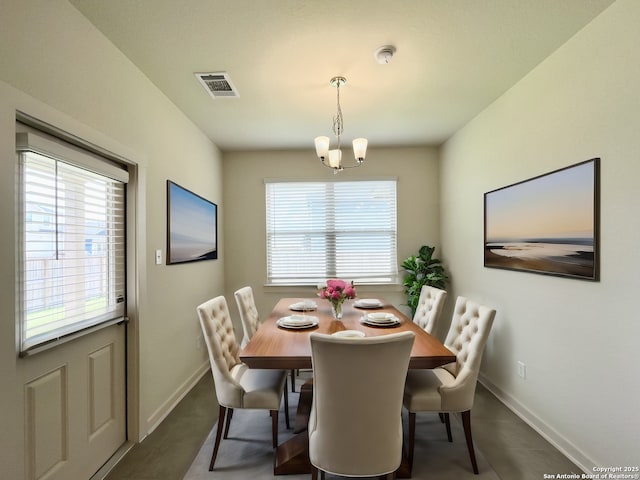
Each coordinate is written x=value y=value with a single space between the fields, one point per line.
x=56 y=66
x=244 y=172
x=578 y=339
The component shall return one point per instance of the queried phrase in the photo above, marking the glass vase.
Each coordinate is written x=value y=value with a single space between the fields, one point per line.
x=336 y=310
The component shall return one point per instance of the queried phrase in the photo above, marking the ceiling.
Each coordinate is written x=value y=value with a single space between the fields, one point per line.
x=453 y=58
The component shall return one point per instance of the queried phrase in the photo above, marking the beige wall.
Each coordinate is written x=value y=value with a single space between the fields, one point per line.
x=416 y=170
x=56 y=66
x=578 y=339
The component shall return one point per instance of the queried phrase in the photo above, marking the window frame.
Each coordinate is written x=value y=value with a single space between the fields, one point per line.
x=332 y=235
x=52 y=149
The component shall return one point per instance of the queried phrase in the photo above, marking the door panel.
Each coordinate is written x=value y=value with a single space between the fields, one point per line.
x=101 y=389
x=46 y=423
x=75 y=406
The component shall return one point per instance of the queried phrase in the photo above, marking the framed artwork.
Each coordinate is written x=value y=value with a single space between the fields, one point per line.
x=192 y=226
x=548 y=224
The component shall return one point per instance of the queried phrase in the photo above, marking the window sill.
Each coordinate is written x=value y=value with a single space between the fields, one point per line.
x=369 y=287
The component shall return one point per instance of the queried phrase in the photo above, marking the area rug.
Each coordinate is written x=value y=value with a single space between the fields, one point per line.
x=247 y=453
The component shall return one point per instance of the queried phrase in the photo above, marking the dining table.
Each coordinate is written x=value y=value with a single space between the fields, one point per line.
x=278 y=346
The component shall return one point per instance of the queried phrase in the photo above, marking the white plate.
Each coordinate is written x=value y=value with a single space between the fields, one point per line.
x=297 y=321
x=349 y=334
x=380 y=319
x=368 y=303
x=303 y=306
x=378 y=324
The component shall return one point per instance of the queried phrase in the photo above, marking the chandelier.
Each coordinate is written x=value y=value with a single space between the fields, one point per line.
x=333 y=158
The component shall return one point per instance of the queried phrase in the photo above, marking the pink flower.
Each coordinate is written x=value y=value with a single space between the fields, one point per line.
x=336 y=284
x=350 y=292
x=337 y=291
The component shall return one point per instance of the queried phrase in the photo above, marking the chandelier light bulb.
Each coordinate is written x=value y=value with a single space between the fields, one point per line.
x=360 y=149
x=335 y=158
x=322 y=147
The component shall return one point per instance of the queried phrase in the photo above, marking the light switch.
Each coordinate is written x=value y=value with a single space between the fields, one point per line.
x=158 y=257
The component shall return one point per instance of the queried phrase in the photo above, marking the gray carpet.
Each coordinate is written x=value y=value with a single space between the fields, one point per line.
x=247 y=453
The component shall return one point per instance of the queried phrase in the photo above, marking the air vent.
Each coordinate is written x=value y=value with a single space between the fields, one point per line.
x=218 y=85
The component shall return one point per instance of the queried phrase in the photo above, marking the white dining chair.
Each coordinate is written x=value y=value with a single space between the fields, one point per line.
x=451 y=388
x=355 y=425
x=248 y=313
x=251 y=320
x=429 y=308
x=236 y=385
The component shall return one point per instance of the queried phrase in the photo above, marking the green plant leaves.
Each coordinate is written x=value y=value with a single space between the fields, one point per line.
x=422 y=269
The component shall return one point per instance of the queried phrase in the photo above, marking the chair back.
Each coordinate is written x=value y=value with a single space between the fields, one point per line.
x=429 y=308
x=355 y=426
x=467 y=337
x=223 y=348
x=248 y=313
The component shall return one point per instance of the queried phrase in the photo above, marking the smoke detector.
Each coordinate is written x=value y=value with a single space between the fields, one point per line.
x=384 y=54
x=217 y=84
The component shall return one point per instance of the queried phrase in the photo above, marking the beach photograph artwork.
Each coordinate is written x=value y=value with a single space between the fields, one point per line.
x=192 y=224
x=547 y=224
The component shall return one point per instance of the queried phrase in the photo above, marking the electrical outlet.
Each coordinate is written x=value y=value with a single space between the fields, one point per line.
x=158 y=257
x=522 y=370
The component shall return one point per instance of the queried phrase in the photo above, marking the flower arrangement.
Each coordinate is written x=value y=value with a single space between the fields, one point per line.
x=336 y=292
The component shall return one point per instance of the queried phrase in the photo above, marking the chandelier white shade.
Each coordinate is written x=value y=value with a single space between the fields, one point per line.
x=332 y=158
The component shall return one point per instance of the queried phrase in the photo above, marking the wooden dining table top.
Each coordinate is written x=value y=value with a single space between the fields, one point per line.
x=274 y=347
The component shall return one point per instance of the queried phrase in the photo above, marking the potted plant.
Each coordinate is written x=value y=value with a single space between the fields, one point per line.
x=422 y=269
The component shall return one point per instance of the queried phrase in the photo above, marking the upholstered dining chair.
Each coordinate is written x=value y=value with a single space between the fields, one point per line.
x=451 y=388
x=248 y=313
x=355 y=426
x=236 y=385
x=429 y=308
x=251 y=320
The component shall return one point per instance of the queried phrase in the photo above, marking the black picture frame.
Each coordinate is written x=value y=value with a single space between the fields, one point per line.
x=192 y=226
x=547 y=224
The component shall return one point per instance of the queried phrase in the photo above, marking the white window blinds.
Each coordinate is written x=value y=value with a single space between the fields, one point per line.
x=71 y=273
x=320 y=230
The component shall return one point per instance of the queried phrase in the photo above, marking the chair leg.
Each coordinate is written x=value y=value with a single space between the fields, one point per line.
x=412 y=437
x=274 y=427
x=293 y=380
x=441 y=415
x=222 y=411
x=447 y=424
x=226 y=427
x=466 y=423
x=314 y=473
x=286 y=406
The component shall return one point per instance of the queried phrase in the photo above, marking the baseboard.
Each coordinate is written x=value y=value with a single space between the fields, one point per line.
x=112 y=462
x=165 y=409
x=549 y=433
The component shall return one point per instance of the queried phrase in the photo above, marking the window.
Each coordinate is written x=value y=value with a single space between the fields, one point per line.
x=320 y=230
x=71 y=269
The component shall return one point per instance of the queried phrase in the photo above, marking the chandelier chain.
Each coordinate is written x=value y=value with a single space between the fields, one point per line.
x=338 y=123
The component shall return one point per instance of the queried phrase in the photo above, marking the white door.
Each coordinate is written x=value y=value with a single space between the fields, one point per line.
x=71 y=279
x=74 y=405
